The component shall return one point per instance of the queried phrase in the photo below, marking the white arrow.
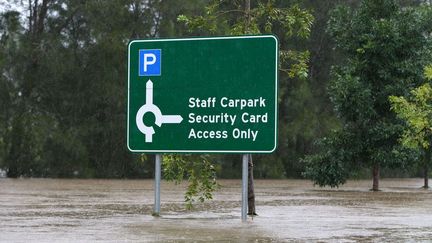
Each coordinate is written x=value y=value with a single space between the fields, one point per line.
x=149 y=92
x=172 y=119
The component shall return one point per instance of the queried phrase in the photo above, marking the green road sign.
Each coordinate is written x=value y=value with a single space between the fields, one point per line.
x=203 y=95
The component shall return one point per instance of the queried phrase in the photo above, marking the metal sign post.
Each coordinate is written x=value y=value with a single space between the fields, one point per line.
x=156 y=211
x=244 y=187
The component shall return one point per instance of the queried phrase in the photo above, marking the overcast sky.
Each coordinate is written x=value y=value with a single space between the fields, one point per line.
x=10 y=5
x=17 y=5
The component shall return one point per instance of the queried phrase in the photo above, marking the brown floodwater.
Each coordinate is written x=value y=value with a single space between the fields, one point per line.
x=58 y=210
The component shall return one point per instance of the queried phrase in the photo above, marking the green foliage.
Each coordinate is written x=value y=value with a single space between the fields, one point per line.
x=428 y=72
x=261 y=19
x=227 y=18
x=62 y=79
x=329 y=168
x=63 y=71
x=298 y=62
x=198 y=169
x=417 y=113
x=385 y=46
x=347 y=92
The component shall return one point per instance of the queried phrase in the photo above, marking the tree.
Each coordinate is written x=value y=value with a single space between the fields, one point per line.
x=416 y=112
x=232 y=18
x=305 y=109
x=384 y=44
x=25 y=120
x=64 y=68
x=9 y=29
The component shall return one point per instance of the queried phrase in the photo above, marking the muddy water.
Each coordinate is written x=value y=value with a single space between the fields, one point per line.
x=46 y=210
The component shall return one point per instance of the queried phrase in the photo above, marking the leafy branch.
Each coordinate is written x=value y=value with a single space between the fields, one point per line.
x=264 y=19
x=198 y=169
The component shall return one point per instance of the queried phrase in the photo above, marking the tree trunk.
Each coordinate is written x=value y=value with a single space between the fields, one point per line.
x=248 y=16
x=251 y=193
x=14 y=155
x=426 y=168
x=375 y=175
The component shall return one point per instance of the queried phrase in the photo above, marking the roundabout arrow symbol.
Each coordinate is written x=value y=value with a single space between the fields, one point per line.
x=159 y=118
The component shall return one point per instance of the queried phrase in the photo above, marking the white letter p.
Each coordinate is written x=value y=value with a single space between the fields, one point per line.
x=149 y=59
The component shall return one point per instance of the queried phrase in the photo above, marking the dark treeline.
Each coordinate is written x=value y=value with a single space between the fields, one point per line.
x=63 y=88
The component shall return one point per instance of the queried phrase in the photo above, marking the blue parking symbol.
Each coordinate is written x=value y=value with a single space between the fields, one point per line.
x=149 y=62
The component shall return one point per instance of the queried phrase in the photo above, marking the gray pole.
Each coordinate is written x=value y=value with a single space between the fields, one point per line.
x=244 y=187
x=158 y=159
